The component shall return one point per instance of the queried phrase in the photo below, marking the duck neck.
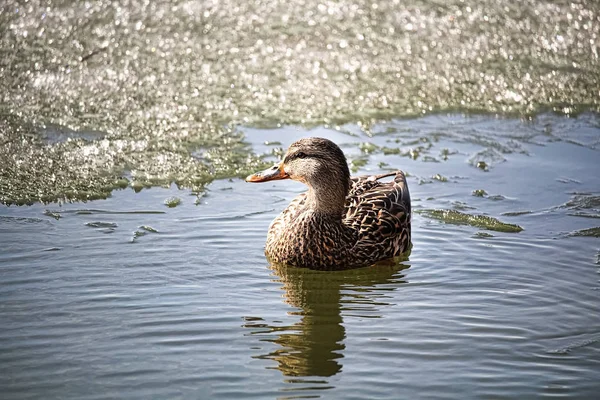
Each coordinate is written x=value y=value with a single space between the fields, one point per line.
x=327 y=199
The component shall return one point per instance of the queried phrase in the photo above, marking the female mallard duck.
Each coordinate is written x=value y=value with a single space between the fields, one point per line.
x=341 y=222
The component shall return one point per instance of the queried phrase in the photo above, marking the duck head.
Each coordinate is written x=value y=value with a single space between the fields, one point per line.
x=318 y=163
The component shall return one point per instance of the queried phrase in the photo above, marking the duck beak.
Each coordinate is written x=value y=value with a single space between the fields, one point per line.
x=274 y=173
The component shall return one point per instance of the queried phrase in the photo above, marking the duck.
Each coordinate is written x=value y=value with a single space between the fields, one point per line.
x=341 y=222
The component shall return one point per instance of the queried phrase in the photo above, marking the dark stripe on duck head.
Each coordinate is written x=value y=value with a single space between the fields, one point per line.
x=300 y=155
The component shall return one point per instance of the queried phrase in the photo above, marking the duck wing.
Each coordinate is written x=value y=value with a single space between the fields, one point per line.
x=380 y=212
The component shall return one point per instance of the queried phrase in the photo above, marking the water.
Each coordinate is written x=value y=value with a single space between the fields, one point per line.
x=128 y=298
x=102 y=94
x=112 y=110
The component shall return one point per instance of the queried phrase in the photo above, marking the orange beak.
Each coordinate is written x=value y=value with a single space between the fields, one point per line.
x=274 y=173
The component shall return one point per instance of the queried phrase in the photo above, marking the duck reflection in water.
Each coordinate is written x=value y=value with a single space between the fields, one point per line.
x=314 y=345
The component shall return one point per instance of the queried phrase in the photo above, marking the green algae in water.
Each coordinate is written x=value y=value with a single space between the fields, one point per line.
x=430 y=159
x=368 y=148
x=172 y=202
x=584 y=205
x=583 y=201
x=142 y=231
x=121 y=183
x=440 y=178
x=138 y=234
x=414 y=153
x=157 y=93
x=480 y=221
x=482 y=165
x=100 y=224
x=583 y=214
x=459 y=205
x=446 y=153
x=390 y=151
x=516 y=213
x=358 y=163
x=479 y=193
x=53 y=214
x=589 y=232
x=148 y=229
x=483 y=235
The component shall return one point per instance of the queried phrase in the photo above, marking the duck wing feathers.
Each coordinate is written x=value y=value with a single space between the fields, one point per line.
x=380 y=213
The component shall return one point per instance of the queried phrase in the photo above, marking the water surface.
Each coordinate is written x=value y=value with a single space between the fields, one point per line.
x=128 y=298
x=112 y=111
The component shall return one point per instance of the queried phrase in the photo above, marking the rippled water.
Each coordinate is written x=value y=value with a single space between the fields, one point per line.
x=128 y=298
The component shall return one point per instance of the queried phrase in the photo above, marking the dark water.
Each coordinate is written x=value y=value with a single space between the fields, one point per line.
x=127 y=298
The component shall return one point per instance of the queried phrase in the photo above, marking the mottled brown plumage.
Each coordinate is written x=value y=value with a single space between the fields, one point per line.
x=341 y=222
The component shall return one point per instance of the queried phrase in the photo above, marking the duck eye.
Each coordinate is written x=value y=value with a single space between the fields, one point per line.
x=301 y=155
